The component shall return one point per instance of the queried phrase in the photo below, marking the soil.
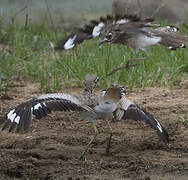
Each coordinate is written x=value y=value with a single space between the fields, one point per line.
x=51 y=148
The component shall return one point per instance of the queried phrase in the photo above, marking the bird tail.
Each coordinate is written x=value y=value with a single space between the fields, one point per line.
x=172 y=40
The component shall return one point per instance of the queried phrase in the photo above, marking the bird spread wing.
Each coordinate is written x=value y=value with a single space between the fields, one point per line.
x=89 y=31
x=39 y=107
x=132 y=111
x=95 y=27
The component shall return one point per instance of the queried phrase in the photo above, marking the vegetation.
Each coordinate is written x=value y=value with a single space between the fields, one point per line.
x=31 y=57
x=184 y=119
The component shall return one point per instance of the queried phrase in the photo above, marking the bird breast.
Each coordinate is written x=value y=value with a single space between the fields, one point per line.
x=143 y=40
x=105 y=108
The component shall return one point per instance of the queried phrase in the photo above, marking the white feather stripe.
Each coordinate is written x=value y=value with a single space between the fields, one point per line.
x=96 y=29
x=36 y=107
x=70 y=43
x=10 y=114
x=17 y=119
x=12 y=117
x=159 y=126
x=122 y=21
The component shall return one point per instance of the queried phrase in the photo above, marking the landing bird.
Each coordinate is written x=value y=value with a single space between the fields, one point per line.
x=39 y=107
x=140 y=36
x=89 y=105
x=93 y=29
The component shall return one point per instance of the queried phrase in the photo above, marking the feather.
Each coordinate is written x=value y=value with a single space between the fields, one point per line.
x=136 y=113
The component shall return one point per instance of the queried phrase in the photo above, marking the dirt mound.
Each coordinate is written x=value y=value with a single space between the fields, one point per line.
x=50 y=150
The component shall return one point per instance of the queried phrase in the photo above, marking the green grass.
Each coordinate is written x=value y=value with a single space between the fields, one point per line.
x=32 y=58
x=184 y=119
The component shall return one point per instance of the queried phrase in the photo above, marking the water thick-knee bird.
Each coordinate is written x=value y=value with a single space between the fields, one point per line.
x=94 y=28
x=90 y=105
x=140 y=36
x=128 y=30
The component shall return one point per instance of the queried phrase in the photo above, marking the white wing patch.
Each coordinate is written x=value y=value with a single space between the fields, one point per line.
x=17 y=119
x=11 y=116
x=173 y=29
x=96 y=29
x=70 y=43
x=182 y=45
x=103 y=92
x=122 y=21
x=37 y=106
x=159 y=126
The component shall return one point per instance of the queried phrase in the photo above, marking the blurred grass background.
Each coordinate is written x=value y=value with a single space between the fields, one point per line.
x=31 y=57
x=26 y=54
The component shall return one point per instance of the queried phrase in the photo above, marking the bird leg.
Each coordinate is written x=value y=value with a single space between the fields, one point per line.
x=96 y=132
x=109 y=140
x=126 y=66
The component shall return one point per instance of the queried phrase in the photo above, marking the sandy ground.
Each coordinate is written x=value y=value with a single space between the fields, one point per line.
x=51 y=149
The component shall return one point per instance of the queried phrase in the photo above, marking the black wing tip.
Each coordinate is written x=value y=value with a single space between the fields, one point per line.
x=164 y=136
x=7 y=125
x=160 y=130
x=11 y=126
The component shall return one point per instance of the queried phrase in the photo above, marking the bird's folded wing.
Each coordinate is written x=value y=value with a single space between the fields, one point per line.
x=39 y=107
x=132 y=111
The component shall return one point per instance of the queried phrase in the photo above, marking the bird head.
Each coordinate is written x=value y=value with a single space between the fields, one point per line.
x=113 y=94
x=121 y=87
x=106 y=35
x=110 y=34
x=90 y=82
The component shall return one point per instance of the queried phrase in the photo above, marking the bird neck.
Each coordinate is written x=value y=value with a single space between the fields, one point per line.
x=87 y=92
x=89 y=97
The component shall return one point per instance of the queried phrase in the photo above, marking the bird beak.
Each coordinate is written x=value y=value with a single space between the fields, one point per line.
x=103 y=41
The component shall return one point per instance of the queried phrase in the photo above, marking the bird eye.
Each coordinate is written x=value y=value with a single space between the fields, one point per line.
x=97 y=79
x=109 y=36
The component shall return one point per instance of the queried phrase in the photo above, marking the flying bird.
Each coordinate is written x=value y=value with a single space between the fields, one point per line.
x=93 y=29
x=138 y=36
x=90 y=105
x=128 y=30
